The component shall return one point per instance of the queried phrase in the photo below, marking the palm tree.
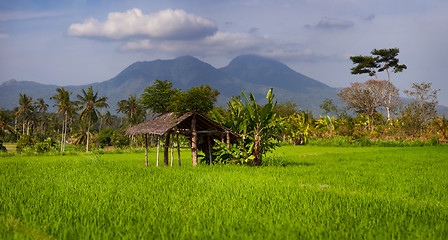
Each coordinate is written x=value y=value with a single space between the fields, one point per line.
x=4 y=125
x=25 y=111
x=41 y=106
x=132 y=109
x=89 y=102
x=108 y=118
x=65 y=107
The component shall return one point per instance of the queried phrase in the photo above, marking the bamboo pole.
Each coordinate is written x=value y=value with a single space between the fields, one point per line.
x=146 y=149
x=194 y=145
x=178 y=147
x=209 y=150
x=166 y=148
x=172 y=150
x=158 y=146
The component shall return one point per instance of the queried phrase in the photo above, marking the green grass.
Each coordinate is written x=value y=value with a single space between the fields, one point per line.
x=307 y=192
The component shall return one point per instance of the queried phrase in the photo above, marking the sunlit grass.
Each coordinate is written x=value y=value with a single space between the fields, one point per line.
x=316 y=192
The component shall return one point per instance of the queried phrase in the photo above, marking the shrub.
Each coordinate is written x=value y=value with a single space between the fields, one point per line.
x=2 y=148
x=46 y=146
x=24 y=142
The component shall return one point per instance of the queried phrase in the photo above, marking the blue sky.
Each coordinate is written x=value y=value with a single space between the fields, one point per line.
x=72 y=42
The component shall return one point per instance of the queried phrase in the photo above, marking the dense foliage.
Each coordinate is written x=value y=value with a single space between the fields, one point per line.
x=372 y=111
x=254 y=123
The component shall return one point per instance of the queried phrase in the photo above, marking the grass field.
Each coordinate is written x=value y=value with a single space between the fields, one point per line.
x=306 y=192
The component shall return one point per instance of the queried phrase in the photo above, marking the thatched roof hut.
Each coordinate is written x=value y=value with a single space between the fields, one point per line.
x=200 y=129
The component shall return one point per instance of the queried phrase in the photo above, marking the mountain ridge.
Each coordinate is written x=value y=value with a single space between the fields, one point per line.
x=248 y=73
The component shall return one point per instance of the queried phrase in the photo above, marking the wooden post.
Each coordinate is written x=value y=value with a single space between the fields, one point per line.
x=209 y=150
x=172 y=149
x=194 y=139
x=166 y=148
x=178 y=147
x=158 y=146
x=146 y=149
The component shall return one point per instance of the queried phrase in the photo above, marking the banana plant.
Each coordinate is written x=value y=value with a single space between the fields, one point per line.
x=326 y=122
x=237 y=153
x=297 y=128
x=256 y=124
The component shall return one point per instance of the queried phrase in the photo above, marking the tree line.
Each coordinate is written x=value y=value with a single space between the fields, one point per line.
x=371 y=110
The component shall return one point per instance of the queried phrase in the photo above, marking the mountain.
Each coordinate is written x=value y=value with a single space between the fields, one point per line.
x=288 y=84
x=258 y=70
x=9 y=92
x=248 y=73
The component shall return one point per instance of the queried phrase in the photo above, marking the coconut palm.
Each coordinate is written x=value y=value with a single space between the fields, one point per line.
x=41 y=106
x=132 y=109
x=65 y=107
x=89 y=102
x=25 y=111
x=108 y=118
x=4 y=124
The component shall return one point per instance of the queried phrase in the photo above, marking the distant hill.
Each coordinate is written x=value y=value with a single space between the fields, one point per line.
x=9 y=92
x=248 y=73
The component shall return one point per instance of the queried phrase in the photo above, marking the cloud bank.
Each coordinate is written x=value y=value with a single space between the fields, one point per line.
x=167 y=24
x=176 y=32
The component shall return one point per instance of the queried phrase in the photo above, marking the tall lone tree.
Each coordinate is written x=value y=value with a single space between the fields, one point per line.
x=89 y=102
x=380 y=61
x=200 y=99
x=158 y=97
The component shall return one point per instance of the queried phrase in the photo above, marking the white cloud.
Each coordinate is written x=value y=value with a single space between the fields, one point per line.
x=166 y=24
x=174 y=33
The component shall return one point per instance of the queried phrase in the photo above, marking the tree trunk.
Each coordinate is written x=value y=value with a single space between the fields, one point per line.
x=65 y=131
x=256 y=160
x=228 y=139
x=88 y=136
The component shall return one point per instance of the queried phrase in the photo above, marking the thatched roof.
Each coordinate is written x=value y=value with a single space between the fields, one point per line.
x=158 y=125
x=170 y=122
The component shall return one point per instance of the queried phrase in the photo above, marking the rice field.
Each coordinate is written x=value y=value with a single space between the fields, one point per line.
x=303 y=192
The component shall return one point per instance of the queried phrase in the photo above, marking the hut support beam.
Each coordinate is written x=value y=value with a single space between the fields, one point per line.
x=194 y=139
x=178 y=147
x=158 y=147
x=210 y=150
x=146 y=149
x=166 y=148
x=172 y=150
